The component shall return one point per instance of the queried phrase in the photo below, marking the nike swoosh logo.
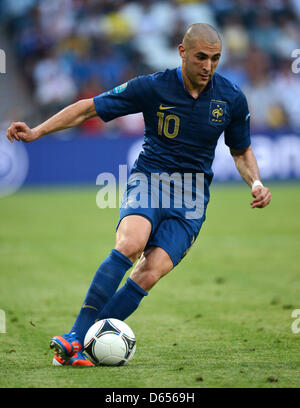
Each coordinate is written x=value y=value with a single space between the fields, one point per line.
x=89 y=307
x=166 y=107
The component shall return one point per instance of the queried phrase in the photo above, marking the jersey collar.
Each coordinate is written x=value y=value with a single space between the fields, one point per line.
x=210 y=84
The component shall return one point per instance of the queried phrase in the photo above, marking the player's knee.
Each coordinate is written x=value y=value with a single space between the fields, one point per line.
x=129 y=248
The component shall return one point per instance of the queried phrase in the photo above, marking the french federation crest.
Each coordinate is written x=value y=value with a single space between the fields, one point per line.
x=217 y=112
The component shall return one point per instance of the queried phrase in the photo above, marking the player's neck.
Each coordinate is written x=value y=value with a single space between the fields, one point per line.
x=193 y=89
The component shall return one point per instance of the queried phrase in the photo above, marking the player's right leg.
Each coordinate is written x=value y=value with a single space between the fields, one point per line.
x=131 y=238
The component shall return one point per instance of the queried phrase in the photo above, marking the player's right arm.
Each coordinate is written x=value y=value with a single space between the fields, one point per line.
x=130 y=97
x=71 y=116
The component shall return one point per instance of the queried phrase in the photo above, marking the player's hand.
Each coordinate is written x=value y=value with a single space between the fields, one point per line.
x=20 y=131
x=262 y=197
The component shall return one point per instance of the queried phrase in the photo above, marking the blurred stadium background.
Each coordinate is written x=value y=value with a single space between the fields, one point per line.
x=60 y=51
x=231 y=299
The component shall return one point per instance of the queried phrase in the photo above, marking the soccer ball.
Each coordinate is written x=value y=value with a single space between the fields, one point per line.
x=110 y=342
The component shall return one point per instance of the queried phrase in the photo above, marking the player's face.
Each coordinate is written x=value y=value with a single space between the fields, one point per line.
x=200 y=61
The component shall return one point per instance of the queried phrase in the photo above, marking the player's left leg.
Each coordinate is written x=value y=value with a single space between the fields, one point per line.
x=154 y=264
x=78 y=359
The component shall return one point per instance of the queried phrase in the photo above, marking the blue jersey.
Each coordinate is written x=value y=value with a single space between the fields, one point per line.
x=181 y=133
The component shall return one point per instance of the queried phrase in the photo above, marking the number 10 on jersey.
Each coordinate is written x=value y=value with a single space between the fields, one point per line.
x=168 y=125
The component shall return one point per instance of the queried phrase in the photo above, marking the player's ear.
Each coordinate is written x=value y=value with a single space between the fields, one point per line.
x=181 y=50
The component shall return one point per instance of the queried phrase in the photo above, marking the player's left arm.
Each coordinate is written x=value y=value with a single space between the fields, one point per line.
x=246 y=164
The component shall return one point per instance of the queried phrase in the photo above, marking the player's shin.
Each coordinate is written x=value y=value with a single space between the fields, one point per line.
x=124 y=302
x=103 y=286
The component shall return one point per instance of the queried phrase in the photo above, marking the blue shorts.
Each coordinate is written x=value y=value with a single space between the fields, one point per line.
x=171 y=229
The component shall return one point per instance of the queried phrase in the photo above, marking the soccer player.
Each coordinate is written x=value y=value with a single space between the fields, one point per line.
x=185 y=111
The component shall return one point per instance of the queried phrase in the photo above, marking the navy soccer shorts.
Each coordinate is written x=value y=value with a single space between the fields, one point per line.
x=171 y=229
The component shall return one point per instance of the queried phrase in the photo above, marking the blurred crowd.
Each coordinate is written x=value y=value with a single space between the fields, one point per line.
x=73 y=49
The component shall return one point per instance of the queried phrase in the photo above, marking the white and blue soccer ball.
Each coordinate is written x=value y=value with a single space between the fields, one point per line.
x=110 y=342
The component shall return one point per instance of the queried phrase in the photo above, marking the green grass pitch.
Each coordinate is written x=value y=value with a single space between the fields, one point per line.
x=221 y=318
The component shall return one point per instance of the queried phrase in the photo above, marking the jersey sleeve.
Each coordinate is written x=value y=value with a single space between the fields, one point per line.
x=124 y=99
x=237 y=133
